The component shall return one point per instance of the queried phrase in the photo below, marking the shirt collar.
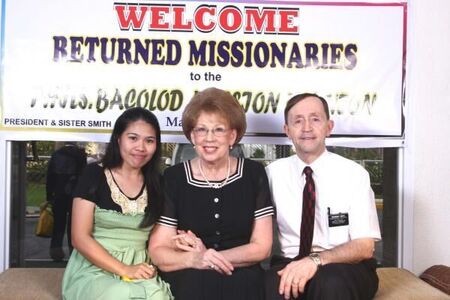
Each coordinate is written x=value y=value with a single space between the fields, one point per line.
x=317 y=165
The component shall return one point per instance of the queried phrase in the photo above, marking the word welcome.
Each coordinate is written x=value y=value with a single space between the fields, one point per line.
x=206 y=18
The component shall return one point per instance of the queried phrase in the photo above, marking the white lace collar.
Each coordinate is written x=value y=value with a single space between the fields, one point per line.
x=131 y=207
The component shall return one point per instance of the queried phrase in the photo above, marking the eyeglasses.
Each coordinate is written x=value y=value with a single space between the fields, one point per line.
x=202 y=131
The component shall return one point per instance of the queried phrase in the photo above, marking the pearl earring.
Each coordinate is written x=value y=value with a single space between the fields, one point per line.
x=231 y=147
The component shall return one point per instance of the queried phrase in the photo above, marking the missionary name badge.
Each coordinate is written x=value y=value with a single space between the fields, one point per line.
x=338 y=219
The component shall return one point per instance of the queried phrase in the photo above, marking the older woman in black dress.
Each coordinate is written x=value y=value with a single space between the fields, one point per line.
x=216 y=226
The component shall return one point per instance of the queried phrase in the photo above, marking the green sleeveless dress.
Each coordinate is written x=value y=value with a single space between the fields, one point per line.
x=121 y=236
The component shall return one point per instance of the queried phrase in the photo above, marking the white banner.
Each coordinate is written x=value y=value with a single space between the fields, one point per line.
x=74 y=66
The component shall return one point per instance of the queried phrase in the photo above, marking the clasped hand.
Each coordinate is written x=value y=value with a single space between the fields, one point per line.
x=295 y=276
x=203 y=258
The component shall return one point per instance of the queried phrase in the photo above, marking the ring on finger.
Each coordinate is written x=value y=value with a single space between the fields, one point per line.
x=212 y=266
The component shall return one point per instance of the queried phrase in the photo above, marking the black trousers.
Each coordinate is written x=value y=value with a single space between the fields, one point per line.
x=331 y=282
x=62 y=216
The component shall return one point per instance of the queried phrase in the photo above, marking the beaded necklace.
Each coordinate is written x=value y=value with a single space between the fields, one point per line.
x=219 y=184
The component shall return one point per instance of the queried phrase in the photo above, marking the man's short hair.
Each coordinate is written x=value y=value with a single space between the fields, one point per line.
x=299 y=97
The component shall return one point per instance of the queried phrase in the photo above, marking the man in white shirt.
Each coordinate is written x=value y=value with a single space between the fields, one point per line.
x=339 y=264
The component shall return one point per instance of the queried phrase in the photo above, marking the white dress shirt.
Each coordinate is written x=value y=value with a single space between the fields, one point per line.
x=342 y=186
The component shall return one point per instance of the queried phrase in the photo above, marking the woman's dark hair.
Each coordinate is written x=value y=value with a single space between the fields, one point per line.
x=151 y=170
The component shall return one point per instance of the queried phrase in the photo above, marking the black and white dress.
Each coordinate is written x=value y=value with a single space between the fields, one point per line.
x=222 y=218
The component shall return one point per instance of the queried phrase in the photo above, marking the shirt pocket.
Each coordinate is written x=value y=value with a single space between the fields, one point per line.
x=340 y=234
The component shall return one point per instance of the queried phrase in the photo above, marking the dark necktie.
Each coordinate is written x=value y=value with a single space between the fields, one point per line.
x=308 y=212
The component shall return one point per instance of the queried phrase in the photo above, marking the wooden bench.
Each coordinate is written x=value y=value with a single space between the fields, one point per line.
x=31 y=284
x=45 y=284
x=401 y=284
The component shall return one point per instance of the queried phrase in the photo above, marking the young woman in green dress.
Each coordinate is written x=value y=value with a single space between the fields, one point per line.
x=115 y=206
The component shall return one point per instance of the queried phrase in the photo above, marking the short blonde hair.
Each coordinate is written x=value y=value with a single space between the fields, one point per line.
x=214 y=100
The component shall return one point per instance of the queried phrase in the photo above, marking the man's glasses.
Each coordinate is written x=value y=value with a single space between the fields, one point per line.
x=202 y=131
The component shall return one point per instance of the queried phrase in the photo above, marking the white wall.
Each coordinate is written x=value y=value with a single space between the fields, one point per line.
x=427 y=162
x=4 y=207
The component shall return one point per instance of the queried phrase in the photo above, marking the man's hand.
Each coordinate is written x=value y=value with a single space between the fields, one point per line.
x=297 y=273
x=295 y=276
